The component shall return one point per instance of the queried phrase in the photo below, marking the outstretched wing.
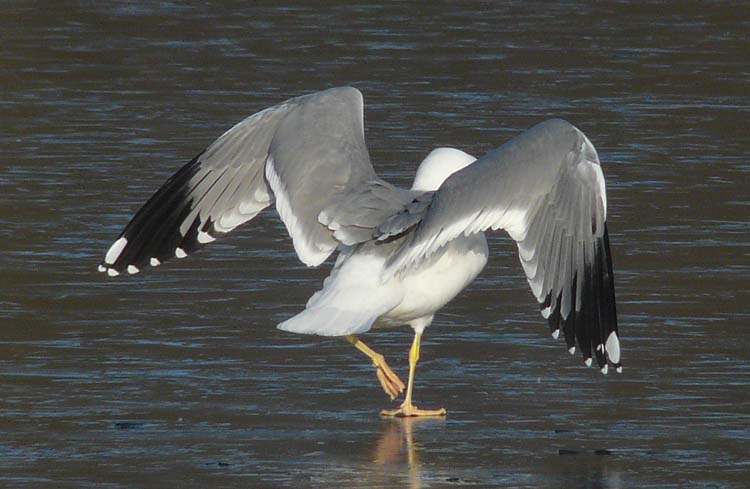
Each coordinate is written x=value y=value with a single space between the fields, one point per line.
x=546 y=188
x=307 y=154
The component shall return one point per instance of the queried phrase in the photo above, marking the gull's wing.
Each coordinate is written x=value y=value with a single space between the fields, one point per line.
x=546 y=188
x=308 y=154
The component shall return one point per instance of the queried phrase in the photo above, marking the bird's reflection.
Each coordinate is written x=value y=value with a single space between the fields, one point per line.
x=396 y=446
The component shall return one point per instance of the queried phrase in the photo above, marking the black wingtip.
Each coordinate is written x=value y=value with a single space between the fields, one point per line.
x=592 y=326
x=152 y=236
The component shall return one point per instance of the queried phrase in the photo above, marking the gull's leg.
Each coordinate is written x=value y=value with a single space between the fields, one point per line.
x=407 y=408
x=392 y=385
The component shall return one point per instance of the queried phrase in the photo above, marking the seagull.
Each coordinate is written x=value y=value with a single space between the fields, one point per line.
x=402 y=254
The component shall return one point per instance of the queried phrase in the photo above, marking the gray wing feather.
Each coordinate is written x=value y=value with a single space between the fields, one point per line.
x=411 y=215
x=354 y=217
x=310 y=149
x=546 y=188
x=500 y=190
x=327 y=133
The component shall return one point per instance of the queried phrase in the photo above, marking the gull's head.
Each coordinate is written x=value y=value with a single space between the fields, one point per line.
x=439 y=165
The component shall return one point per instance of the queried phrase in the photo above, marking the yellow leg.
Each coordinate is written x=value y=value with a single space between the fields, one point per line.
x=407 y=408
x=392 y=385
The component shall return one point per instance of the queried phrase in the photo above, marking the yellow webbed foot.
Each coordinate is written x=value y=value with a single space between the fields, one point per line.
x=392 y=385
x=408 y=409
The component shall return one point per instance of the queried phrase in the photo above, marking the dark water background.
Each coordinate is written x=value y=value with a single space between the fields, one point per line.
x=177 y=377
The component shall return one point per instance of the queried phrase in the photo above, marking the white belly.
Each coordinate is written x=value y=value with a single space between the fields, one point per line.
x=354 y=299
x=436 y=282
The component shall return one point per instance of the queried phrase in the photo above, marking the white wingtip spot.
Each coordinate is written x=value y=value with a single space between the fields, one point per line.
x=572 y=350
x=112 y=272
x=556 y=333
x=587 y=362
x=619 y=369
x=101 y=268
x=605 y=369
x=154 y=262
x=180 y=253
x=114 y=251
x=132 y=269
x=613 y=347
x=600 y=347
x=204 y=237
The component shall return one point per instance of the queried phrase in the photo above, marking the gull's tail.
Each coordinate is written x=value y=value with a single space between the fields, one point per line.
x=351 y=300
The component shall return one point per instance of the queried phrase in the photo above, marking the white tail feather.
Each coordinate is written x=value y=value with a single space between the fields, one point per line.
x=350 y=302
x=329 y=321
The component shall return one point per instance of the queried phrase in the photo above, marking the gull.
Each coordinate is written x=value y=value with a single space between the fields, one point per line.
x=402 y=254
